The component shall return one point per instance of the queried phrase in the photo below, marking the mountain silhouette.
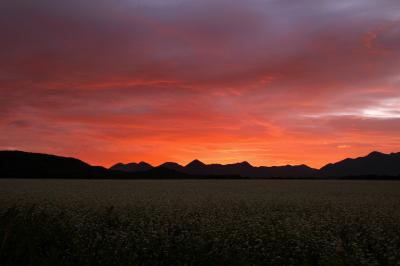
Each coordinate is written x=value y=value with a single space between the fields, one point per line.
x=244 y=169
x=162 y=173
x=132 y=167
x=374 y=164
x=19 y=164
x=173 y=166
x=196 y=167
x=195 y=164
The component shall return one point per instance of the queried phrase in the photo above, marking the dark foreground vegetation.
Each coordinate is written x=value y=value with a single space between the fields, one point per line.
x=199 y=222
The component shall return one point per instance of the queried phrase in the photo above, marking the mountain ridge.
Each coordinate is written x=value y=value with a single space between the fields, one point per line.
x=375 y=163
x=20 y=164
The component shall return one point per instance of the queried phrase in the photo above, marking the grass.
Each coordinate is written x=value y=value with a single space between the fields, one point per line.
x=199 y=222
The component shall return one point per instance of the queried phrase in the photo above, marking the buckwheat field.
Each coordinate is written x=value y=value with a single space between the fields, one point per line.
x=199 y=222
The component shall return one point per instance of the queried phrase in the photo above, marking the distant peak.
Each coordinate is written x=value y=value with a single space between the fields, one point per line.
x=169 y=163
x=144 y=164
x=195 y=163
x=245 y=163
x=375 y=153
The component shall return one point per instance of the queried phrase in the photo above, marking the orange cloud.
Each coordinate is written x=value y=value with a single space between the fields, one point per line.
x=274 y=82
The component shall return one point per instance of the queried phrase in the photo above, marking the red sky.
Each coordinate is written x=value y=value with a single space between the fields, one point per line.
x=267 y=81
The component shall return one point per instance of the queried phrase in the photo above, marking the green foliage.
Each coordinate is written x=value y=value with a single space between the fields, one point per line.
x=199 y=223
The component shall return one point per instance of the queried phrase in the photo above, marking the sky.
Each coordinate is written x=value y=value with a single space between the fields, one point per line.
x=271 y=82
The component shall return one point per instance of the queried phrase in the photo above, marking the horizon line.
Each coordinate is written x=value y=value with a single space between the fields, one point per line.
x=184 y=165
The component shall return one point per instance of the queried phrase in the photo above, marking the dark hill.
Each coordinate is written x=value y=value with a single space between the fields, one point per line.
x=18 y=164
x=243 y=169
x=374 y=164
x=131 y=167
x=173 y=166
x=162 y=173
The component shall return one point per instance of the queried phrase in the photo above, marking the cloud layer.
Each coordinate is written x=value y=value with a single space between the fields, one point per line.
x=272 y=82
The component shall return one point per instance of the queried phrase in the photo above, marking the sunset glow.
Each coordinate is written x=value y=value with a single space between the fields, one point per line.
x=264 y=81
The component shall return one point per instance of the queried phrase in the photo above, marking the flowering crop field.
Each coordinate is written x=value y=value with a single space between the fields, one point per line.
x=199 y=222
